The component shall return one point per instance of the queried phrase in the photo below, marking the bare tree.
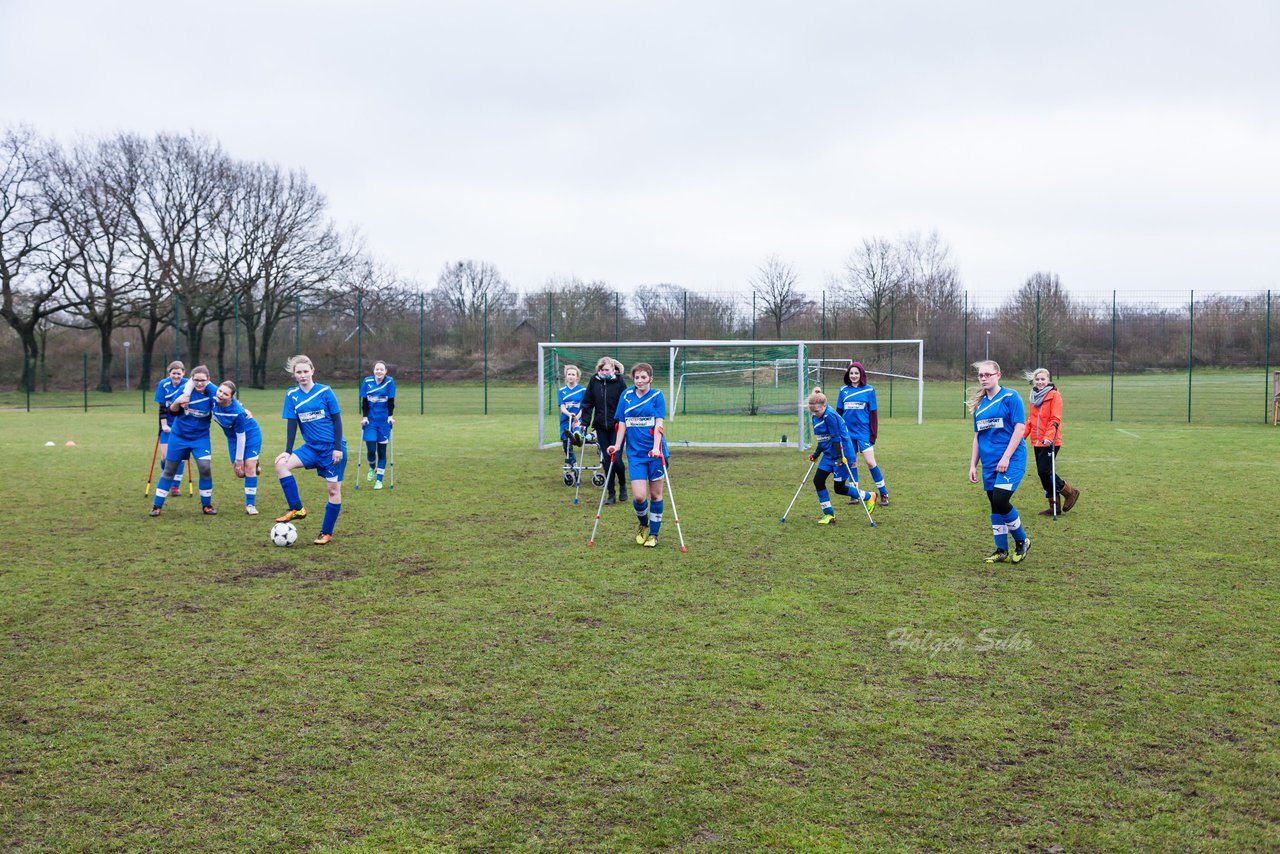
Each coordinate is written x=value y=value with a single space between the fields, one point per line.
x=874 y=278
x=1039 y=314
x=775 y=284
x=98 y=257
x=30 y=291
x=464 y=289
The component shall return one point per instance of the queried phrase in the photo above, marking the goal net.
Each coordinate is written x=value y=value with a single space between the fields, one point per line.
x=740 y=393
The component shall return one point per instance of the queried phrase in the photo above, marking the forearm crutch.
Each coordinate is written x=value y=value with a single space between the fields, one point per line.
x=612 y=459
x=391 y=458
x=191 y=463
x=359 y=460
x=152 y=470
x=854 y=480
x=1053 y=479
x=671 y=496
x=813 y=462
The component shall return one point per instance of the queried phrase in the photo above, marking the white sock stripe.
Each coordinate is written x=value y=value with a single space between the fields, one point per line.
x=880 y=484
x=206 y=493
x=655 y=517
x=826 y=505
x=251 y=490
x=1015 y=524
x=161 y=493
x=999 y=529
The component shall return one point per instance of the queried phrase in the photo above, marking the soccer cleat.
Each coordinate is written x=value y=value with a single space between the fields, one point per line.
x=651 y=542
x=883 y=500
x=642 y=534
x=369 y=477
x=1020 y=550
x=251 y=510
x=293 y=515
x=155 y=511
x=827 y=519
x=378 y=485
x=175 y=490
x=208 y=510
x=871 y=502
x=997 y=556
x=323 y=540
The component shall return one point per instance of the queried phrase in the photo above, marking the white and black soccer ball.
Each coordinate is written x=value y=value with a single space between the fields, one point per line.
x=283 y=534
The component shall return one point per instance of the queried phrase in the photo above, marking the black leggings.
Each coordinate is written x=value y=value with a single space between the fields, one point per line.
x=1001 y=501
x=1044 y=468
x=820 y=483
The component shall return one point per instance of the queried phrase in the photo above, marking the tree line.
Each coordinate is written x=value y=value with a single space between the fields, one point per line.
x=170 y=242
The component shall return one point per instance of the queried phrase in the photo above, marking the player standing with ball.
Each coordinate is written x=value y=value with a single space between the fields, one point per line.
x=314 y=409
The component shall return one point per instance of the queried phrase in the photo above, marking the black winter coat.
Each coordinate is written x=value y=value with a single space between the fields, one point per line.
x=601 y=403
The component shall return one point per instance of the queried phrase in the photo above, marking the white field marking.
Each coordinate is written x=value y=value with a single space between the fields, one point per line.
x=1127 y=433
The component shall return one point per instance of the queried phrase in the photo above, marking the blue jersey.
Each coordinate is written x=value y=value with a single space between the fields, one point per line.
x=378 y=393
x=313 y=410
x=857 y=403
x=993 y=422
x=641 y=415
x=831 y=435
x=166 y=393
x=571 y=399
x=193 y=422
x=234 y=421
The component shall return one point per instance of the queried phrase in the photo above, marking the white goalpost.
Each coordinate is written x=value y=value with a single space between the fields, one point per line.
x=735 y=393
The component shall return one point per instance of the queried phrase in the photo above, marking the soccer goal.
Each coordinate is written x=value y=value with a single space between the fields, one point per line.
x=739 y=393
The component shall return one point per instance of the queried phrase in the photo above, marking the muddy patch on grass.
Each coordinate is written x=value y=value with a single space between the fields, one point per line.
x=327 y=575
x=266 y=570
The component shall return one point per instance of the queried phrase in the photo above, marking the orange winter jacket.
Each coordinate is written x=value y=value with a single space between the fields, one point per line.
x=1046 y=421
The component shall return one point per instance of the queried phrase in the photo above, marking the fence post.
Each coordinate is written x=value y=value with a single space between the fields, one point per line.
x=297 y=325
x=85 y=357
x=684 y=328
x=893 y=311
x=422 y=354
x=617 y=320
x=1266 y=370
x=486 y=348
x=29 y=368
x=359 y=334
x=1113 y=355
x=964 y=357
x=177 y=327
x=1191 y=354
x=237 y=302
x=753 y=353
x=1036 y=360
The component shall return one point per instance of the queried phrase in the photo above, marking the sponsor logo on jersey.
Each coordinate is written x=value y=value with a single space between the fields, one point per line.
x=856 y=404
x=637 y=421
x=314 y=415
x=377 y=398
x=990 y=424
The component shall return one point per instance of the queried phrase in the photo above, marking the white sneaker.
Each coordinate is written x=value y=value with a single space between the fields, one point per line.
x=251 y=510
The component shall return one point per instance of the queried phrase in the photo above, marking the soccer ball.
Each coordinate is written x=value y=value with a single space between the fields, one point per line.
x=283 y=534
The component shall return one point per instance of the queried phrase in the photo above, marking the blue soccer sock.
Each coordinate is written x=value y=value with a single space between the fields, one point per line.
x=206 y=491
x=824 y=499
x=1000 y=531
x=250 y=490
x=655 y=517
x=371 y=452
x=162 y=490
x=331 y=512
x=1014 y=524
x=878 y=477
x=642 y=511
x=290 y=487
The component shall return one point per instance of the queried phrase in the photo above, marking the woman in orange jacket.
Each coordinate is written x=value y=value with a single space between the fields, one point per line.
x=1045 y=432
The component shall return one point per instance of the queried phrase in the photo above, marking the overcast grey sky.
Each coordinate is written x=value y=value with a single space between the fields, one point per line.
x=1128 y=145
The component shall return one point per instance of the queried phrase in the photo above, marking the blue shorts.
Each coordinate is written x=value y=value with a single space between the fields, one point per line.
x=252 y=447
x=377 y=432
x=198 y=448
x=835 y=467
x=322 y=461
x=863 y=444
x=992 y=479
x=646 y=468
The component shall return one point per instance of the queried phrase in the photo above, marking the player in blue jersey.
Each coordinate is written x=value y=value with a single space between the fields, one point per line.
x=189 y=436
x=832 y=448
x=999 y=422
x=377 y=411
x=167 y=391
x=314 y=409
x=856 y=403
x=640 y=415
x=244 y=440
x=570 y=397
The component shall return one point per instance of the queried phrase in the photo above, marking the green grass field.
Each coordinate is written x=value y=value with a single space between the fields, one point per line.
x=458 y=670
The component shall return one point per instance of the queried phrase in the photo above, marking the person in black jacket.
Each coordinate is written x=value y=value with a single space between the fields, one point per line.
x=598 y=408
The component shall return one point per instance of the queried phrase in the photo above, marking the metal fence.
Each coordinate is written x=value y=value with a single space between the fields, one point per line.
x=1143 y=356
